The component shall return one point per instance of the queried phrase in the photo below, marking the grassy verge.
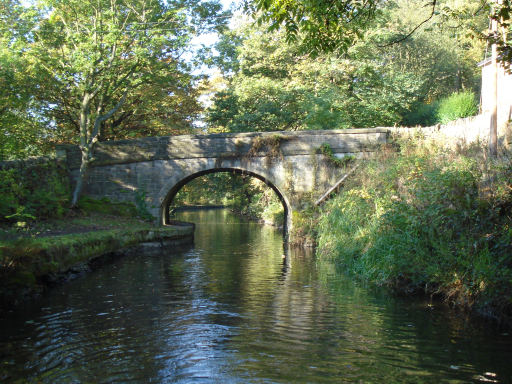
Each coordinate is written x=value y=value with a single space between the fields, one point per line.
x=421 y=218
x=29 y=255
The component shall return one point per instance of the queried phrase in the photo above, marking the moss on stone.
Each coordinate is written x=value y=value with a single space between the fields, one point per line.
x=105 y=206
x=24 y=263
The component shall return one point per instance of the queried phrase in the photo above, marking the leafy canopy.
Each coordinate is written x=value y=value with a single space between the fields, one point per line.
x=272 y=85
x=328 y=26
x=102 y=62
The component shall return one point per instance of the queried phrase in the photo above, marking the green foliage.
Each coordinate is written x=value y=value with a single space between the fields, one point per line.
x=273 y=212
x=501 y=12
x=121 y=209
x=259 y=202
x=80 y=71
x=305 y=227
x=325 y=26
x=422 y=114
x=243 y=194
x=96 y=70
x=26 y=198
x=453 y=107
x=426 y=219
x=274 y=86
x=320 y=26
x=211 y=189
x=142 y=207
x=326 y=150
x=118 y=81
x=457 y=105
x=22 y=133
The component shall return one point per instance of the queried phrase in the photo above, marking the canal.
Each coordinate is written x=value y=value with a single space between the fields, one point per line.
x=239 y=307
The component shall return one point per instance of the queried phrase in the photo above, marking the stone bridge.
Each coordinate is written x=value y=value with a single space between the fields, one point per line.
x=157 y=167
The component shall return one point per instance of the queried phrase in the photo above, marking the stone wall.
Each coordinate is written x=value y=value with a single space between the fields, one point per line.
x=30 y=162
x=462 y=131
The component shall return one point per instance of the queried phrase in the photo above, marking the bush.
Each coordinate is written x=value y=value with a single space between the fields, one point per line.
x=105 y=206
x=422 y=114
x=456 y=106
x=33 y=190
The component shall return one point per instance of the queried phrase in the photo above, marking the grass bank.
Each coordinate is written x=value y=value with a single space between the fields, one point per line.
x=39 y=254
x=420 y=218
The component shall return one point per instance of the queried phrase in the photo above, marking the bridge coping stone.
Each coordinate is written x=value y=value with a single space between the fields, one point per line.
x=224 y=145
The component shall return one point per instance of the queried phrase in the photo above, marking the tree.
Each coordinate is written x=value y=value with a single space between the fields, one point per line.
x=273 y=85
x=501 y=14
x=330 y=26
x=97 y=57
x=327 y=26
x=320 y=26
x=166 y=106
x=19 y=128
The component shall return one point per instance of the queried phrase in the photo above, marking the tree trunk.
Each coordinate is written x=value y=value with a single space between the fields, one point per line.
x=88 y=139
x=82 y=178
x=85 y=147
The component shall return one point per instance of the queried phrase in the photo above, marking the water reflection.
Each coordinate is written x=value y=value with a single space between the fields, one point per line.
x=239 y=308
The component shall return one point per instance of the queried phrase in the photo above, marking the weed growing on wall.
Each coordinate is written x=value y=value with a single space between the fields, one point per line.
x=141 y=204
x=270 y=145
x=326 y=150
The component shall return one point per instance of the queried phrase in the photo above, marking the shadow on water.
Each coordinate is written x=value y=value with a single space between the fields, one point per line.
x=239 y=307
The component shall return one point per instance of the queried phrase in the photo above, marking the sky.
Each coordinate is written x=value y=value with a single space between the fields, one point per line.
x=211 y=38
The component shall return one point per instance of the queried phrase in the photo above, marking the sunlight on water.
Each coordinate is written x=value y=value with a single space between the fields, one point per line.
x=239 y=307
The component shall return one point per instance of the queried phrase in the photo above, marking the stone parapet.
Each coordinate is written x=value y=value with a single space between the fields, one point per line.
x=226 y=145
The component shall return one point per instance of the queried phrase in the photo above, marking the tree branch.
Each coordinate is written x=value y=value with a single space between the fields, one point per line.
x=100 y=119
x=434 y=2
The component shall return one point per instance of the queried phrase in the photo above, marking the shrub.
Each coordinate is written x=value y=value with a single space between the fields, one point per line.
x=422 y=114
x=326 y=150
x=33 y=190
x=105 y=206
x=456 y=106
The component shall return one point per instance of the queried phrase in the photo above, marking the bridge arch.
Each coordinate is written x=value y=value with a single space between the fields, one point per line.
x=173 y=187
x=291 y=163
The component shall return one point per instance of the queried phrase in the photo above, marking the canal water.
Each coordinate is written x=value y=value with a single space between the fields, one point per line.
x=238 y=307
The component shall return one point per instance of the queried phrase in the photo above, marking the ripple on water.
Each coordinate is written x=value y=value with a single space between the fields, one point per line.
x=234 y=310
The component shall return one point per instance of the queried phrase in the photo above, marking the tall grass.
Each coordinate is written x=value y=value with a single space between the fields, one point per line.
x=425 y=218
